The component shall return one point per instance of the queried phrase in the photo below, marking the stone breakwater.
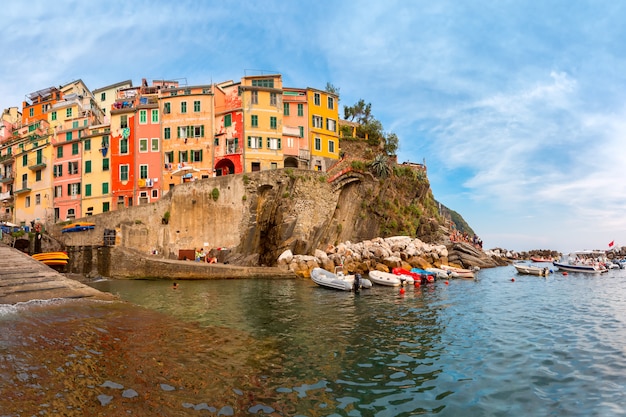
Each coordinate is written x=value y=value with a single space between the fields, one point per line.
x=380 y=254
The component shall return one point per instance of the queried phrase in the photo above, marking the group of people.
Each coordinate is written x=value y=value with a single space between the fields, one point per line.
x=201 y=256
x=457 y=236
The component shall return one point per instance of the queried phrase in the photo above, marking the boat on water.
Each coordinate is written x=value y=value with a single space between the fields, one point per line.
x=532 y=270
x=338 y=280
x=458 y=272
x=52 y=258
x=406 y=277
x=423 y=275
x=385 y=278
x=589 y=262
x=77 y=227
x=540 y=259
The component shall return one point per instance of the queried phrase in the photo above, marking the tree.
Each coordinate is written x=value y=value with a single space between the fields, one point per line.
x=391 y=143
x=332 y=89
x=360 y=112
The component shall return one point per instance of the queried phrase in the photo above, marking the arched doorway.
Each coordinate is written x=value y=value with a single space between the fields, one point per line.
x=224 y=167
x=290 y=162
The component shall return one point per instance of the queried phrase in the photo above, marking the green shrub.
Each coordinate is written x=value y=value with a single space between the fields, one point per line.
x=215 y=194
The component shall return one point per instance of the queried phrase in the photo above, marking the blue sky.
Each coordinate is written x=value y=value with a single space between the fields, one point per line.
x=516 y=106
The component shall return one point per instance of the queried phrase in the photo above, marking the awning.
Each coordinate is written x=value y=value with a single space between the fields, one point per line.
x=184 y=170
x=9 y=224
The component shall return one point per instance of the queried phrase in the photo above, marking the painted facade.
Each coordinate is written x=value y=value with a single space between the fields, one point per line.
x=323 y=128
x=38 y=104
x=96 y=173
x=122 y=144
x=187 y=133
x=228 y=142
x=106 y=96
x=262 y=99
x=148 y=161
x=295 y=128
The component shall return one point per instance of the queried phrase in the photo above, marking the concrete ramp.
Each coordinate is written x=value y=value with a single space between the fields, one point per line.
x=23 y=278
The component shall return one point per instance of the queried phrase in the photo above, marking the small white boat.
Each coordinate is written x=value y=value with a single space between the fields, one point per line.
x=385 y=278
x=338 y=280
x=532 y=270
x=460 y=272
x=441 y=273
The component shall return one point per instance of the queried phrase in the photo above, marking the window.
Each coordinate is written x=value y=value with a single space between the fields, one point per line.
x=255 y=142
x=286 y=109
x=73 y=189
x=272 y=122
x=168 y=157
x=143 y=171
x=75 y=148
x=331 y=125
x=273 y=99
x=266 y=82
x=154 y=144
x=301 y=131
x=317 y=121
x=155 y=116
x=124 y=172
x=105 y=164
x=58 y=191
x=143 y=145
x=254 y=119
x=87 y=190
x=183 y=107
x=155 y=193
x=31 y=112
x=105 y=188
x=68 y=136
x=143 y=117
x=87 y=167
x=254 y=99
x=318 y=144
x=124 y=146
x=103 y=96
x=300 y=109
x=27 y=202
x=196 y=106
x=75 y=124
x=167 y=108
x=273 y=143
x=273 y=165
x=70 y=214
x=196 y=156
x=123 y=121
x=183 y=156
x=72 y=167
x=53 y=116
x=37 y=199
x=198 y=131
x=68 y=112
x=331 y=103
x=105 y=206
x=228 y=120
x=167 y=133
x=182 y=132
x=24 y=160
x=38 y=175
x=60 y=152
x=317 y=99
x=105 y=141
x=87 y=144
x=57 y=170
x=331 y=146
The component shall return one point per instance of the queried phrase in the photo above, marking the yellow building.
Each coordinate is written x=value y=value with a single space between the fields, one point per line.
x=323 y=128
x=96 y=170
x=33 y=178
x=262 y=101
x=187 y=121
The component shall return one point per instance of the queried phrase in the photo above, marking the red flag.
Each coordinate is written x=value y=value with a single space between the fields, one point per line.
x=612 y=243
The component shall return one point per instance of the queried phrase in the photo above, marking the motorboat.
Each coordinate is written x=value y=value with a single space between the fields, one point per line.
x=406 y=277
x=338 y=280
x=460 y=272
x=540 y=259
x=532 y=270
x=590 y=262
x=385 y=278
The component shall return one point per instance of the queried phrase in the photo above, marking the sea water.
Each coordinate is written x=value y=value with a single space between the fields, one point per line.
x=502 y=344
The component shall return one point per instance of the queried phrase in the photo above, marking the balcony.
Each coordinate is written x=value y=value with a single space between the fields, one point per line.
x=23 y=190
x=7 y=196
x=37 y=163
x=4 y=179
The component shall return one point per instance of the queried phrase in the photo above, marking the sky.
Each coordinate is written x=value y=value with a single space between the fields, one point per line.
x=517 y=107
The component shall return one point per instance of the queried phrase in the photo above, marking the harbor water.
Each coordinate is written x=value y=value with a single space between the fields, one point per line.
x=502 y=344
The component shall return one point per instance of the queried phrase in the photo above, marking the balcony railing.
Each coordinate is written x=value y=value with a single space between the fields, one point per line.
x=9 y=177
x=6 y=196
x=37 y=163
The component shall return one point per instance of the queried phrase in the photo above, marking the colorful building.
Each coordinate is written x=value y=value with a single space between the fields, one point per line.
x=262 y=99
x=106 y=96
x=295 y=128
x=148 y=159
x=323 y=128
x=228 y=141
x=96 y=172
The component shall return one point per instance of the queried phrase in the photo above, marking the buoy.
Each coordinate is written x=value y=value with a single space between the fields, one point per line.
x=417 y=283
x=446 y=282
x=564 y=273
x=402 y=290
x=512 y=279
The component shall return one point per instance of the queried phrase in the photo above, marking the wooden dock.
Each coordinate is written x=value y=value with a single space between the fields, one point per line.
x=23 y=278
